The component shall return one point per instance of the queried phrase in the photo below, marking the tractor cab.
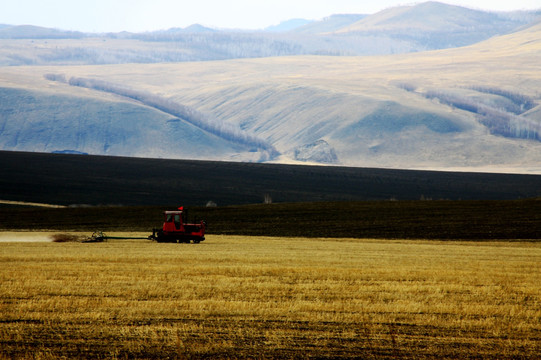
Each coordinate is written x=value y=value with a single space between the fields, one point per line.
x=173 y=221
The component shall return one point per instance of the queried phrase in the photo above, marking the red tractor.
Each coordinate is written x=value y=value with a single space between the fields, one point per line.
x=176 y=230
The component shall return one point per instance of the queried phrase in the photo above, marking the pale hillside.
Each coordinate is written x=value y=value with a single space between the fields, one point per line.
x=471 y=108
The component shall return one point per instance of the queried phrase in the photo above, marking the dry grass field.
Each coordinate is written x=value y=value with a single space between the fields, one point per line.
x=256 y=297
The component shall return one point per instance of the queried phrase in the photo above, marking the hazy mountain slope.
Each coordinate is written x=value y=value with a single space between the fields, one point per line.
x=288 y=25
x=363 y=130
x=329 y=24
x=36 y=32
x=437 y=25
x=422 y=27
x=46 y=122
x=294 y=116
x=430 y=16
x=192 y=29
x=367 y=111
x=346 y=101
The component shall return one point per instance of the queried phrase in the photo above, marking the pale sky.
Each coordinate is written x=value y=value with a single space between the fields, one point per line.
x=148 y=15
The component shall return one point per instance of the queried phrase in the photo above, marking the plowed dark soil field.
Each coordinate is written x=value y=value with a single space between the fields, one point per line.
x=466 y=220
x=100 y=180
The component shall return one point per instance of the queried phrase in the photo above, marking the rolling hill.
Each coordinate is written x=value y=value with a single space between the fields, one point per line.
x=36 y=32
x=471 y=108
x=435 y=17
x=433 y=25
x=43 y=121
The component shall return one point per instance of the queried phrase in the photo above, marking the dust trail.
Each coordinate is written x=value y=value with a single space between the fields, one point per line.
x=25 y=236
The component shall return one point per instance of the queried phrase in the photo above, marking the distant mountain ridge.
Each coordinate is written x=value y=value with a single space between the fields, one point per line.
x=405 y=29
x=37 y=32
x=192 y=29
x=438 y=26
x=329 y=24
x=435 y=16
x=288 y=25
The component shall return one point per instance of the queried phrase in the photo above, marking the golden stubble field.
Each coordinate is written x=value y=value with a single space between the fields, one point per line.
x=242 y=297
